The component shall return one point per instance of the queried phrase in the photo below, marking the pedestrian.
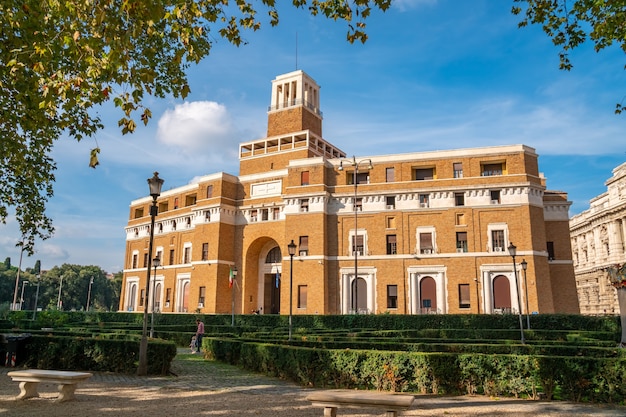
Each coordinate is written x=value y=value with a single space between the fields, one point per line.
x=199 y=333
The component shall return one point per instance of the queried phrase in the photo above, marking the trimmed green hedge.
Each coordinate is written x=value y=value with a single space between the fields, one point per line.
x=96 y=354
x=560 y=377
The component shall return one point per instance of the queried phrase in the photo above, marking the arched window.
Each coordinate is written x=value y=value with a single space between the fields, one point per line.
x=428 y=295
x=273 y=256
x=501 y=293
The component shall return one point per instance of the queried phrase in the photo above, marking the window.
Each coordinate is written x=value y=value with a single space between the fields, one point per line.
x=138 y=213
x=145 y=260
x=390 y=174
x=361 y=178
x=207 y=216
x=168 y=297
x=190 y=200
x=390 y=202
x=175 y=203
x=209 y=191
x=302 y=292
x=391 y=222
x=426 y=243
x=201 y=295
x=358 y=204
x=422 y=174
x=160 y=228
x=171 y=261
x=460 y=219
x=205 y=251
x=142 y=296
x=304 y=205
x=497 y=240
x=163 y=207
x=358 y=245
x=458 y=169
x=134 y=264
x=187 y=254
x=392 y=248
x=254 y=216
x=495 y=196
x=188 y=222
x=273 y=256
x=491 y=169
x=264 y=214
x=304 y=178
x=464 y=296
x=275 y=213
x=303 y=248
x=159 y=254
x=423 y=200
x=550 y=249
x=392 y=296
x=459 y=199
x=461 y=242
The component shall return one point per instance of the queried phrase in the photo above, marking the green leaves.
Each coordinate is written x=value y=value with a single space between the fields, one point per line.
x=61 y=58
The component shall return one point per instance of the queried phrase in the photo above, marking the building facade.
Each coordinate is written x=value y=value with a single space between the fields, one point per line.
x=598 y=241
x=413 y=233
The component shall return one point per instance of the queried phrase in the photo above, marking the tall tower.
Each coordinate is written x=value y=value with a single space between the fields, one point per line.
x=294 y=127
x=295 y=105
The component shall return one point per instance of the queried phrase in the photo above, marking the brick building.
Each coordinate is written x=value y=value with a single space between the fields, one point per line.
x=598 y=241
x=426 y=232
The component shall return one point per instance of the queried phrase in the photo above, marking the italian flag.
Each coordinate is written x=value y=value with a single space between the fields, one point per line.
x=230 y=278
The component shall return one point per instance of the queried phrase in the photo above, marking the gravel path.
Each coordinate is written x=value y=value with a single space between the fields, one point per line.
x=206 y=388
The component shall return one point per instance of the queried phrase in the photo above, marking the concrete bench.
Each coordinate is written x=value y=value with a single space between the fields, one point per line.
x=29 y=380
x=333 y=399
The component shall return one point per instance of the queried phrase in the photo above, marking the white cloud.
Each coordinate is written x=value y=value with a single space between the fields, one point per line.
x=197 y=125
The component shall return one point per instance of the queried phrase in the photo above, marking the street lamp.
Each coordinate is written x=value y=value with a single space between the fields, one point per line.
x=292 y=251
x=157 y=262
x=155 y=183
x=512 y=251
x=232 y=296
x=89 y=295
x=36 y=298
x=355 y=177
x=17 y=278
x=22 y=295
x=524 y=267
x=59 y=298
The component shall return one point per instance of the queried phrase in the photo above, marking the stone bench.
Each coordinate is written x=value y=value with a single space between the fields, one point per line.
x=29 y=380
x=331 y=400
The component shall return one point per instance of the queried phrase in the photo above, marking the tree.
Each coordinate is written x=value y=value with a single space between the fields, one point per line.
x=60 y=59
x=571 y=23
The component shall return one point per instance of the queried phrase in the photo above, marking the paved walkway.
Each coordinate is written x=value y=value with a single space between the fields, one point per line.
x=207 y=388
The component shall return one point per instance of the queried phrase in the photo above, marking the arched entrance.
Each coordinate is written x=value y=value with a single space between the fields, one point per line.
x=358 y=290
x=272 y=281
x=501 y=294
x=428 y=295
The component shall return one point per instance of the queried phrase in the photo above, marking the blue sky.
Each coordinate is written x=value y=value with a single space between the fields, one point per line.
x=434 y=74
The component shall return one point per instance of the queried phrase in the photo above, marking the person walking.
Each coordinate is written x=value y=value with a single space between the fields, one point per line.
x=199 y=334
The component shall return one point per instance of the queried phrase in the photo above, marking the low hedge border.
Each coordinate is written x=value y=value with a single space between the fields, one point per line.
x=557 y=377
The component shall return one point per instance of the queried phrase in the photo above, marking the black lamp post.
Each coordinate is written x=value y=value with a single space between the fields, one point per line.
x=524 y=267
x=89 y=295
x=512 y=251
x=292 y=251
x=232 y=296
x=157 y=262
x=355 y=177
x=155 y=183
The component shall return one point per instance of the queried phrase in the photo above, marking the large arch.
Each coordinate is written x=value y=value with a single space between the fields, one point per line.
x=262 y=278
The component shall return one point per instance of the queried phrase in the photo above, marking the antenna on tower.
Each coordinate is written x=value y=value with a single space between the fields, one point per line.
x=296 y=50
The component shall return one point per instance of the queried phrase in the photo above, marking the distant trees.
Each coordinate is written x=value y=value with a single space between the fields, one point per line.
x=68 y=284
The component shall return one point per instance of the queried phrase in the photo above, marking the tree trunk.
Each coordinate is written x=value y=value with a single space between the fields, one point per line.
x=621 y=298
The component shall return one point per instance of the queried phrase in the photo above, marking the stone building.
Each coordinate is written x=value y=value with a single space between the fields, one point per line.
x=412 y=233
x=597 y=236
